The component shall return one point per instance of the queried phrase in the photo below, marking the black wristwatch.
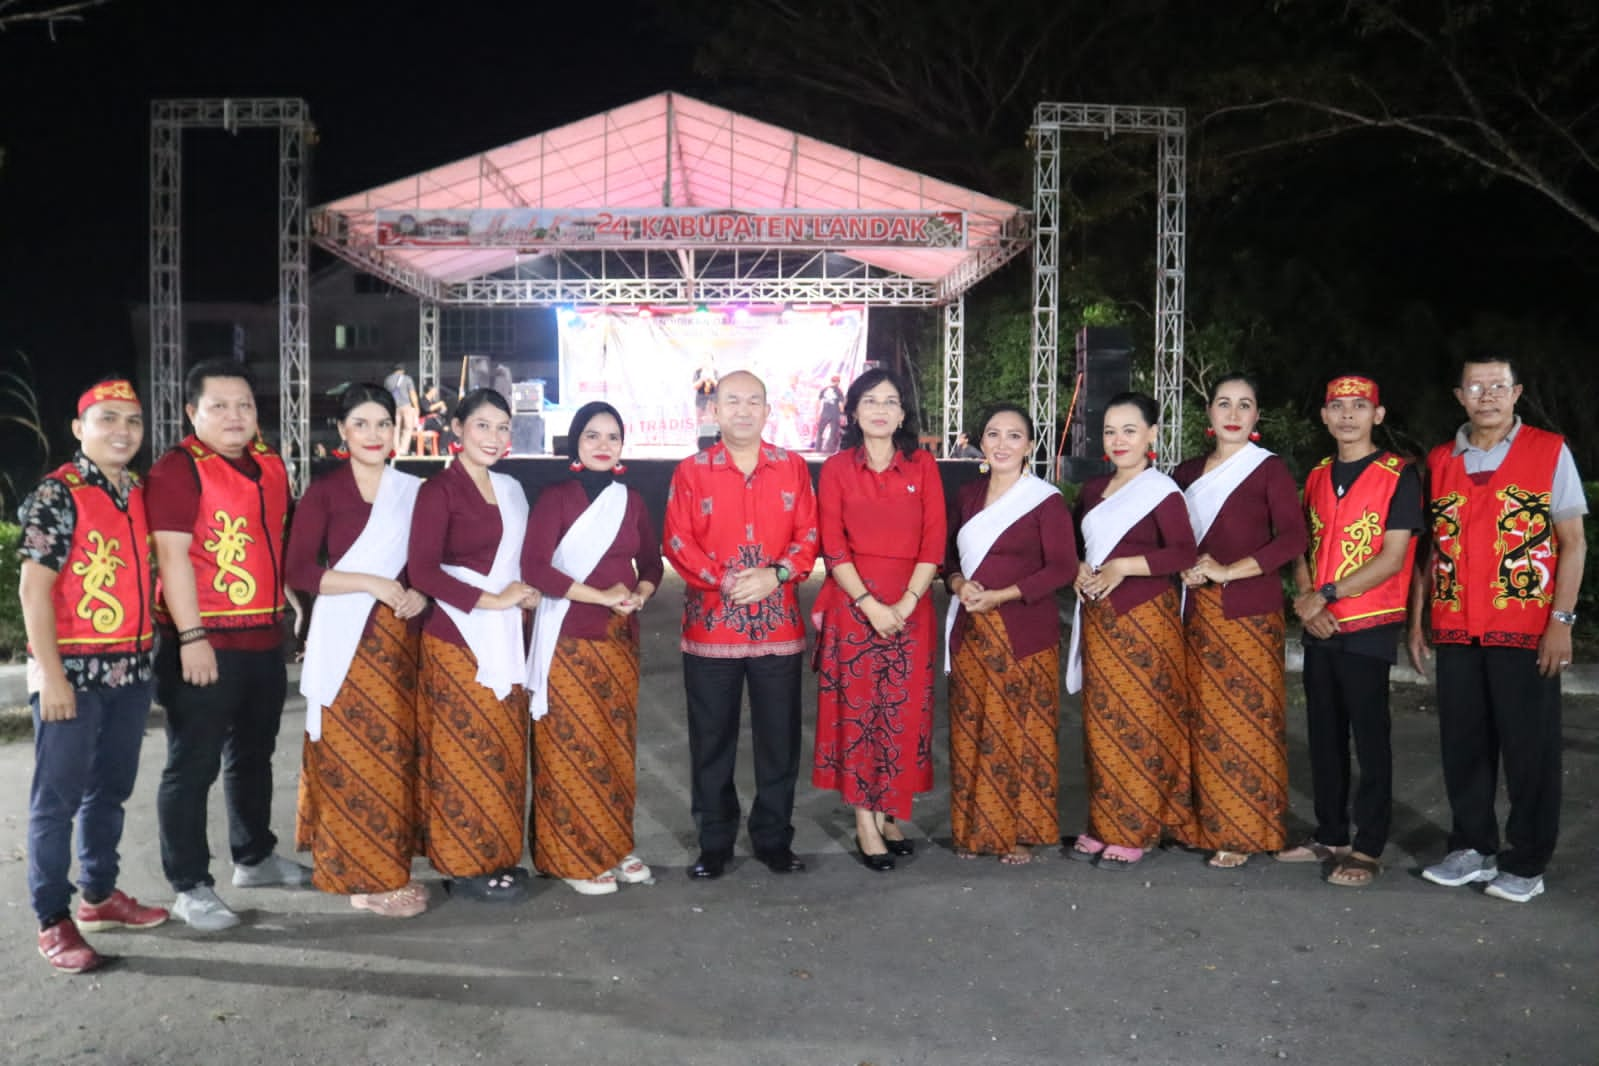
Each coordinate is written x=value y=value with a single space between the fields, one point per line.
x=1329 y=592
x=783 y=573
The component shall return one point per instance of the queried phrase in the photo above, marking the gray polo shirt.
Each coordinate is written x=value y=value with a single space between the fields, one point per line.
x=1566 y=498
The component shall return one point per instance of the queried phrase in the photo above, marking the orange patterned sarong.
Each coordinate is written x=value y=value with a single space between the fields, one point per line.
x=474 y=765
x=1004 y=754
x=583 y=756
x=358 y=784
x=1135 y=723
x=1238 y=746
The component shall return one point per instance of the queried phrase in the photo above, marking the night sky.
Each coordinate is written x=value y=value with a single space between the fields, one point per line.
x=392 y=91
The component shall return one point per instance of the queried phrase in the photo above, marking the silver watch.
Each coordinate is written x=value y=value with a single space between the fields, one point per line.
x=1568 y=618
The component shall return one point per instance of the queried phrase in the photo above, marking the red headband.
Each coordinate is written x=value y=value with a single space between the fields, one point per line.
x=1352 y=385
x=106 y=390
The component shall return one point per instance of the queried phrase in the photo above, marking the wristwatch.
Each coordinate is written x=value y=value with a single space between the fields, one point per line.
x=1329 y=592
x=1566 y=618
x=783 y=573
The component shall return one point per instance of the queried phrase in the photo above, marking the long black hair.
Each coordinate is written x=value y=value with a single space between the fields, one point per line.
x=1147 y=407
x=906 y=437
x=1000 y=409
x=365 y=392
x=477 y=398
x=1238 y=377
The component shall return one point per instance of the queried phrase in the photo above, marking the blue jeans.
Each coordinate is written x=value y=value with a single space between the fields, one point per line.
x=83 y=768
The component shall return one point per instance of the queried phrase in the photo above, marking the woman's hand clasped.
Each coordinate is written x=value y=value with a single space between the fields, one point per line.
x=1204 y=571
x=1095 y=583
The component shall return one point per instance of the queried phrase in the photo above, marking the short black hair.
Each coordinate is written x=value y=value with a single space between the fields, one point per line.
x=1238 y=376
x=477 y=398
x=906 y=437
x=1007 y=408
x=1142 y=400
x=365 y=392
x=1484 y=359
x=194 y=381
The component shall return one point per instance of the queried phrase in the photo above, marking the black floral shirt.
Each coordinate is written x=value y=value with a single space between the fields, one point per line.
x=48 y=518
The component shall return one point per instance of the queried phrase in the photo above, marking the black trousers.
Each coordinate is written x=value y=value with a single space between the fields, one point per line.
x=231 y=725
x=1493 y=707
x=715 y=696
x=1346 y=695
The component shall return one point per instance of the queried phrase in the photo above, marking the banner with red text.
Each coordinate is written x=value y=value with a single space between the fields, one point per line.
x=660 y=370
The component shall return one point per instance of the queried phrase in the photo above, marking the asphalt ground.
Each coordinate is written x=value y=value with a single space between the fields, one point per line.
x=940 y=961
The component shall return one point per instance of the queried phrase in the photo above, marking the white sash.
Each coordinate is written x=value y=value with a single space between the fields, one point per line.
x=580 y=551
x=1103 y=529
x=978 y=536
x=495 y=637
x=1210 y=492
x=337 y=621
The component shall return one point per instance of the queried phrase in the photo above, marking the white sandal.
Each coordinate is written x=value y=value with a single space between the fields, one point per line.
x=603 y=885
x=632 y=871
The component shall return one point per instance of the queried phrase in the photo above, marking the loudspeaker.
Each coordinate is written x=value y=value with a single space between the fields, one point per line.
x=1105 y=366
x=527 y=435
x=477 y=372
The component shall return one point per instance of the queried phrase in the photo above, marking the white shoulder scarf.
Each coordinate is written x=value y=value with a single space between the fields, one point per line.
x=337 y=621
x=495 y=637
x=1103 y=529
x=977 y=536
x=1211 y=491
x=580 y=551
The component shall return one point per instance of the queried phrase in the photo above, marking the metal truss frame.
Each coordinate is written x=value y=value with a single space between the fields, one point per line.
x=290 y=116
x=1169 y=125
x=427 y=346
x=954 y=393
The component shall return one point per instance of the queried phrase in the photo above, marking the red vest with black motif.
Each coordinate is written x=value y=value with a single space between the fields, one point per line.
x=1495 y=550
x=237 y=550
x=102 y=595
x=1347 y=533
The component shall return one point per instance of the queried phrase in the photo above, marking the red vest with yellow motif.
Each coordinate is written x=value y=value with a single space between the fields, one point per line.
x=1495 y=552
x=237 y=550
x=1347 y=533
x=102 y=595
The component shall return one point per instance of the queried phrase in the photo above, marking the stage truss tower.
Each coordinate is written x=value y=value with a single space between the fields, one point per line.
x=1169 y=126
x=290 y=116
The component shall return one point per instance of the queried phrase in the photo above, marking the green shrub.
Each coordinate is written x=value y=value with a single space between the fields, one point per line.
x=12 y=637
x=1588 y=596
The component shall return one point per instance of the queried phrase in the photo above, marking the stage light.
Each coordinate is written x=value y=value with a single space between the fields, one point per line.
x=741 y=315
x=786 y=314
x=569 y=316
x=644 y=312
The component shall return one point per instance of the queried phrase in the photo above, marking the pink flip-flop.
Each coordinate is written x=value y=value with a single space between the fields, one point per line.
x=1116 y=857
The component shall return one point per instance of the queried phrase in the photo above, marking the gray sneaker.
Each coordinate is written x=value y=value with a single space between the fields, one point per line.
x=204 y=910
x=272 y=870
x=1462 y=868
x=1515 y=889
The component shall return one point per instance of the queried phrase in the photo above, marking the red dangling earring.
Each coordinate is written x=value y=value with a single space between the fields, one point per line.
x=1210 y=431
x=1106 y=457
x=506 y=452
x=455 y=447
x=1151 y=454
x=619 y=468
x=1254 y=435
x=341 y=452
x=393 y=453
x=574 y=466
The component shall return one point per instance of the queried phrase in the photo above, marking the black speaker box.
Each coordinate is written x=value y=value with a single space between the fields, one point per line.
x=527 y=435
x=1105 y=361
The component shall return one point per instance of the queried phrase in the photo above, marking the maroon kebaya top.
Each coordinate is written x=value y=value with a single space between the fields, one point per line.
x=635 y=551
x=1037 y=554
x=1163 y=537
x=452 y=525
x=1262 y=520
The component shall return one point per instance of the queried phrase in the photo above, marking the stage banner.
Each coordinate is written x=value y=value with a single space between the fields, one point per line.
x=671 y=227
x=660 y=370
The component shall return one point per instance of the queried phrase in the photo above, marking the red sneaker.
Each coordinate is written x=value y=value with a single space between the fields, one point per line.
x=63 y=947
x=121 y=911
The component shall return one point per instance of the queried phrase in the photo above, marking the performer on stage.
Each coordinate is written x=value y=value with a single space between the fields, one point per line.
x=594 y=554
x=1245 y=512
x=1012 y=552
x=1127 y=646
x=85 y=587
x=741 y=530
x=358 y=771
x=1363 y=506
x=829 y=417
x=881 y=506
x=218 y=505
x=472 y=722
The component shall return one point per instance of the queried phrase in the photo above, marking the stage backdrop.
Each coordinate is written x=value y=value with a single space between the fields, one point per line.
x=652 y=367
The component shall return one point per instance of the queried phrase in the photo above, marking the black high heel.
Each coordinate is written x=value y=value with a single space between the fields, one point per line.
x=876 y=863
x=900 y=846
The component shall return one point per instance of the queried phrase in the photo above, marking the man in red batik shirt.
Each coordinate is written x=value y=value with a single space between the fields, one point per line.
x=741 y=530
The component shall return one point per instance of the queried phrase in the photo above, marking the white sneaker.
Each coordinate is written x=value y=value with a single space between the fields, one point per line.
x=1514 y=887
x=272 y=870
x=204 y=910
x=1462 y=868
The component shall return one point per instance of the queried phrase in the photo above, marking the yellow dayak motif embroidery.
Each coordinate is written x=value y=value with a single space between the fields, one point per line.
x=1526 y=549
x=228 y=544
x=99 y=572
x=1357 y=547
x=1445 y=514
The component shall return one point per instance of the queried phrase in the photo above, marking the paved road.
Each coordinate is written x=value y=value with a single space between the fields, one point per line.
x=942 y=961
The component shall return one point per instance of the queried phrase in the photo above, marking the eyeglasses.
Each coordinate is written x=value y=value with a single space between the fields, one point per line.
x=1498 y=389
x=873 y=401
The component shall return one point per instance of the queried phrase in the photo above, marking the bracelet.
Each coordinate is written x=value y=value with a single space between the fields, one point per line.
x=917 y=596
x=192 y=636
x=856 y=602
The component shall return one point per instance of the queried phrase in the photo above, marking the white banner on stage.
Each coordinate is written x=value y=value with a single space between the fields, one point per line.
x=658 y=369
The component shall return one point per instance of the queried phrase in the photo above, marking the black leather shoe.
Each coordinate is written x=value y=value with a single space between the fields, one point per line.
x=781 y=862
x=876 y=863
x=709 y=866
x=899 y=847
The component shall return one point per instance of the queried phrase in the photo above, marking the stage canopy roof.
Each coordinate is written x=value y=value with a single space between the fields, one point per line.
x=655 y=170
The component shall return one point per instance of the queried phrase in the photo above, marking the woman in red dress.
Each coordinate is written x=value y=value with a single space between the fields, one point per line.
x=882 y=523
